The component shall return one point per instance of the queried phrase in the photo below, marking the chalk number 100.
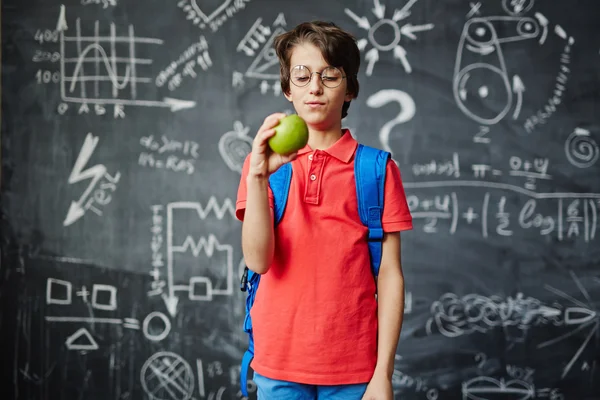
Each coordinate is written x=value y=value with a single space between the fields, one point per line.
x=45 y=76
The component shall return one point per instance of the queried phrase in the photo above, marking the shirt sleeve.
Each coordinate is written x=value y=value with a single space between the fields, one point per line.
x=240 y=204
x=396 y=214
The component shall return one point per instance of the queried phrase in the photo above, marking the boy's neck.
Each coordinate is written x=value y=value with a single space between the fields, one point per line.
x=321 y=140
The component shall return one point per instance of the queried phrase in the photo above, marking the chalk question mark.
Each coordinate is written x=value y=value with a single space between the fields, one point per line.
x=407 y=111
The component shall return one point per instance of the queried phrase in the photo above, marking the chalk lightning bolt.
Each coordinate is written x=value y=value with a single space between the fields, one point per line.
x=95 y=173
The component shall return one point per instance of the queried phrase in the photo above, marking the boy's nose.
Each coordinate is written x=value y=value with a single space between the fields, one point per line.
x=316 y=85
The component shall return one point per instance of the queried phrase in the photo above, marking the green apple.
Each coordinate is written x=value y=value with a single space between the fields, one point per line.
x=290 y=135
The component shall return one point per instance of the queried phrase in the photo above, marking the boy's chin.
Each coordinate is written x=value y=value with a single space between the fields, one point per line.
x=316 y=121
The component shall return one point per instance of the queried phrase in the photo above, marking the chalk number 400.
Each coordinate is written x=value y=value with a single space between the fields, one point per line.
x=46 y=35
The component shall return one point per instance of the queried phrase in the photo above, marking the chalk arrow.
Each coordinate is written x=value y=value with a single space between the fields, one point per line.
x=544 y=24
x=94 y=173
x=409 y=29
x=176 y=104
x=400 y=54
x=362 y=22
x=280 y=20
x=372 y=56
x=75 y=212
x=61 y=25
x=404 y=12
x=378 y=10
x=171 y=302
x=518 y=89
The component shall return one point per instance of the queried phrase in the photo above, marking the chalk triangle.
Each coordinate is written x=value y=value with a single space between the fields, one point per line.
x=81 y=340
x=266 y=64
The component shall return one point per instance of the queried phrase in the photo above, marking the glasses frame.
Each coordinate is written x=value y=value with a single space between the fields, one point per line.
x=310 y=75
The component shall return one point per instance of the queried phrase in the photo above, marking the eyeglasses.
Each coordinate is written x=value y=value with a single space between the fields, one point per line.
x=331 y=77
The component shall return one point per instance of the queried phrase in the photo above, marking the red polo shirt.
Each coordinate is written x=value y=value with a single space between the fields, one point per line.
x=315 y=313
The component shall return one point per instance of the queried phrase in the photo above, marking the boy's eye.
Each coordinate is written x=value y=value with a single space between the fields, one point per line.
x=301 y=78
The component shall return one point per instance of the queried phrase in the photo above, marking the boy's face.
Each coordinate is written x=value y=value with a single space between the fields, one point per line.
x=318 y=105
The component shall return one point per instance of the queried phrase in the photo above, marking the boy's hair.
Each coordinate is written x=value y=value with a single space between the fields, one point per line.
x=337 y=46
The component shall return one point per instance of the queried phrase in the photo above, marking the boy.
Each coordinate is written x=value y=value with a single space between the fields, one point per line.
x=320 y=331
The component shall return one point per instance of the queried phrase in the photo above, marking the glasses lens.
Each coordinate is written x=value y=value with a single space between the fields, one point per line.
x=332 y=77
x=300 y=75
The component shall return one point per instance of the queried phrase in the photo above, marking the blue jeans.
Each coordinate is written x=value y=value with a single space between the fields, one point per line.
x=272 y=389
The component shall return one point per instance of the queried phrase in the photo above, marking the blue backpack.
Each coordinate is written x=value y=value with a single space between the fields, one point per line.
x=369 y=174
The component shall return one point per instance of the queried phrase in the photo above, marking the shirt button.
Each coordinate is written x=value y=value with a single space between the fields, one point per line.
x=310 y=157
x=313 y=177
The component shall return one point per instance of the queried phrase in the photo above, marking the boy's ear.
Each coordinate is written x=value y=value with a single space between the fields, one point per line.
x=349 y=96
x=288 y=96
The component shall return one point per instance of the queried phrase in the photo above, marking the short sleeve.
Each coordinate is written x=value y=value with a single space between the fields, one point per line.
x=396 y=214
x=240 y=204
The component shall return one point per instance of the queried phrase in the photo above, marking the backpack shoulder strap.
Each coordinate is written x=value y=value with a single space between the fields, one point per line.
x=279 y=181
x=369 y=170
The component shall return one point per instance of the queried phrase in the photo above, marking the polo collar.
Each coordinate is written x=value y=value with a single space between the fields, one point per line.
x=343 y=149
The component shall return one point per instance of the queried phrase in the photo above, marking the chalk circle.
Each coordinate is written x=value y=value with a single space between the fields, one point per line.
x=528 y=28
x=581 y=150
x=481 y=33
x=395 y=29
x=270 y=54
x=147 y=328
x=517 y=7
x=432 y=394
x=167 y=376
x=476 y=80
x=62 y=108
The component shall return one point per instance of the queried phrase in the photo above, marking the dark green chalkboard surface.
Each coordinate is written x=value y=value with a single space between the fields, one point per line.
x=124 y=127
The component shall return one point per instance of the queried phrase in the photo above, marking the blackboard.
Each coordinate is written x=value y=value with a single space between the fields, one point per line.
x=124 y=125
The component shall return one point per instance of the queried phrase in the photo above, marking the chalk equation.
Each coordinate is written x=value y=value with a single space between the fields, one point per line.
x=199 y=287
x=454 y=316
x=402 y=381
x=486 y=387
x=169 y=154
x=195 y=59
x=258 y=44
x=212 y=16
x=104 y=3
x=67 y=295
x=101 y=184
x=574 y=215
x=407 y=31
x=92 y=72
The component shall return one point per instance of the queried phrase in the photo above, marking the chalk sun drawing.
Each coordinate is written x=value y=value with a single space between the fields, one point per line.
x=405 y=31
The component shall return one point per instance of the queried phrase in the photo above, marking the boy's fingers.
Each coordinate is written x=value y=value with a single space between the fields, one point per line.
x=267 y=134
x=272 y=120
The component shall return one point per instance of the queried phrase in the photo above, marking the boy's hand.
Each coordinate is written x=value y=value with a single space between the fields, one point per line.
x=379 y=388
x=263 y=160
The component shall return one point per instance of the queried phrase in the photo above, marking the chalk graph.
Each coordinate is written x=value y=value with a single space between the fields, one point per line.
x=93 y=69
